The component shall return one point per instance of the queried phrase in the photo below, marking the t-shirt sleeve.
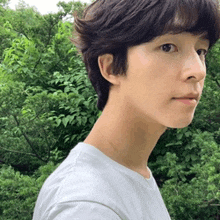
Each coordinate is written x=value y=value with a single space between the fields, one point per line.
x=81 y=210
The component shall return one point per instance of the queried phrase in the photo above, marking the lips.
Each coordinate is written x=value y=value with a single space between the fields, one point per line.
x=186 y=98
x=187 y=101
x=190 y=96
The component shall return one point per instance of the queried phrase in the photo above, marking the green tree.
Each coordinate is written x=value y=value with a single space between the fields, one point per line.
x=54 y=93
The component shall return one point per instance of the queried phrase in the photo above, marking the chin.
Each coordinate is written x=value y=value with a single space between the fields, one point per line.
x=180 y=124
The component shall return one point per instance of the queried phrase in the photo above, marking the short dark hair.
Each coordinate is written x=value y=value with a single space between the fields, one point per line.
x=112 y=26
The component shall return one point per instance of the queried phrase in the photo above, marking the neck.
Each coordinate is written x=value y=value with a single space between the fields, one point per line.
x=125 y=137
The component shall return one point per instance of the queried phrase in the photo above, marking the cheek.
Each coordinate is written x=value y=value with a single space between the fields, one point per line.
x=147 y=90
x=149 y=78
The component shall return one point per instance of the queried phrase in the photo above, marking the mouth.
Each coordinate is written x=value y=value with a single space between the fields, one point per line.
x=189 y=96
x=187 y=101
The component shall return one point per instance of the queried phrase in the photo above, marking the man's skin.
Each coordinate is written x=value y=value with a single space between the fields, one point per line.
x=141 y=105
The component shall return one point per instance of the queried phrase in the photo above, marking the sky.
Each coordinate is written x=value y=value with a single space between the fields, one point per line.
x=43 y=6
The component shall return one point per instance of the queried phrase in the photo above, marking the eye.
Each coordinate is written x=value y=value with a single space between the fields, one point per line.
x=168 y=48
x=202 y=52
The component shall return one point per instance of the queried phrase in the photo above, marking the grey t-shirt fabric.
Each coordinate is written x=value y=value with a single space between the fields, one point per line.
x=90 y=185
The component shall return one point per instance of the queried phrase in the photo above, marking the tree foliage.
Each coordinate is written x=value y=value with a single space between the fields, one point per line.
x=55 y=96
x=18 y=192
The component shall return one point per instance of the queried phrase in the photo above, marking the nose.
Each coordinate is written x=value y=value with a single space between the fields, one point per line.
x=194 y=67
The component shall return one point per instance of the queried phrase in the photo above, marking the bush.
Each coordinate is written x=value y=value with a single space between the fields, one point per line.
x=18 y=193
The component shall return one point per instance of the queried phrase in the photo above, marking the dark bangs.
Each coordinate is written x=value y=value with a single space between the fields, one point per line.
x=177 y=16
x=196 y=17
x=117 y=24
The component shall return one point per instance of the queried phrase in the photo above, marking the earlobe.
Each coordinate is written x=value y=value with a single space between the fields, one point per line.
x=105 y=65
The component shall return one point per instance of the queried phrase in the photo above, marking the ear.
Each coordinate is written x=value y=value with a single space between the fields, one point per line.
x=105 y=65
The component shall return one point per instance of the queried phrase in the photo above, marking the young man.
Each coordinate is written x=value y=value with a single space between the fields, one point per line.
x=146 y=60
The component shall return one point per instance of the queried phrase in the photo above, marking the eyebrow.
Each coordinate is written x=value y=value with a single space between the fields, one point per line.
x=204 y=36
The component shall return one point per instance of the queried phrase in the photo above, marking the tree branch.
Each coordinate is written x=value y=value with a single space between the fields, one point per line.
x=217 y=82
x=18 y=152
x=22 y=34
x=215 y=205
x=47 y=43
x=28 y=141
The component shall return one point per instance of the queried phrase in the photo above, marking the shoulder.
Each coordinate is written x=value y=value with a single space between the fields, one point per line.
x=81 y=177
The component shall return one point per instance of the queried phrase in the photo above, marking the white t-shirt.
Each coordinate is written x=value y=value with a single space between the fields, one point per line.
x=88 y=185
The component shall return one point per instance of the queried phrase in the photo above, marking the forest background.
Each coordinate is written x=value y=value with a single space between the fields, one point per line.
x=47 y=106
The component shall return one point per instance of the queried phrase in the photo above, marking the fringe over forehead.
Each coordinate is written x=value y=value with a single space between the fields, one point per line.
x=132 y=22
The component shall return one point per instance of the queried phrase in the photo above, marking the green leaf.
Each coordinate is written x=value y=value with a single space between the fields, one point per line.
x=65 y=121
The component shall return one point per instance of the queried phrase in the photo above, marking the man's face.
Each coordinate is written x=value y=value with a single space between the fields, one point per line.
x=160 y=73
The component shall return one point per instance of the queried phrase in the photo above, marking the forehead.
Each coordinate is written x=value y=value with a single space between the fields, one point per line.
x=184 y=36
